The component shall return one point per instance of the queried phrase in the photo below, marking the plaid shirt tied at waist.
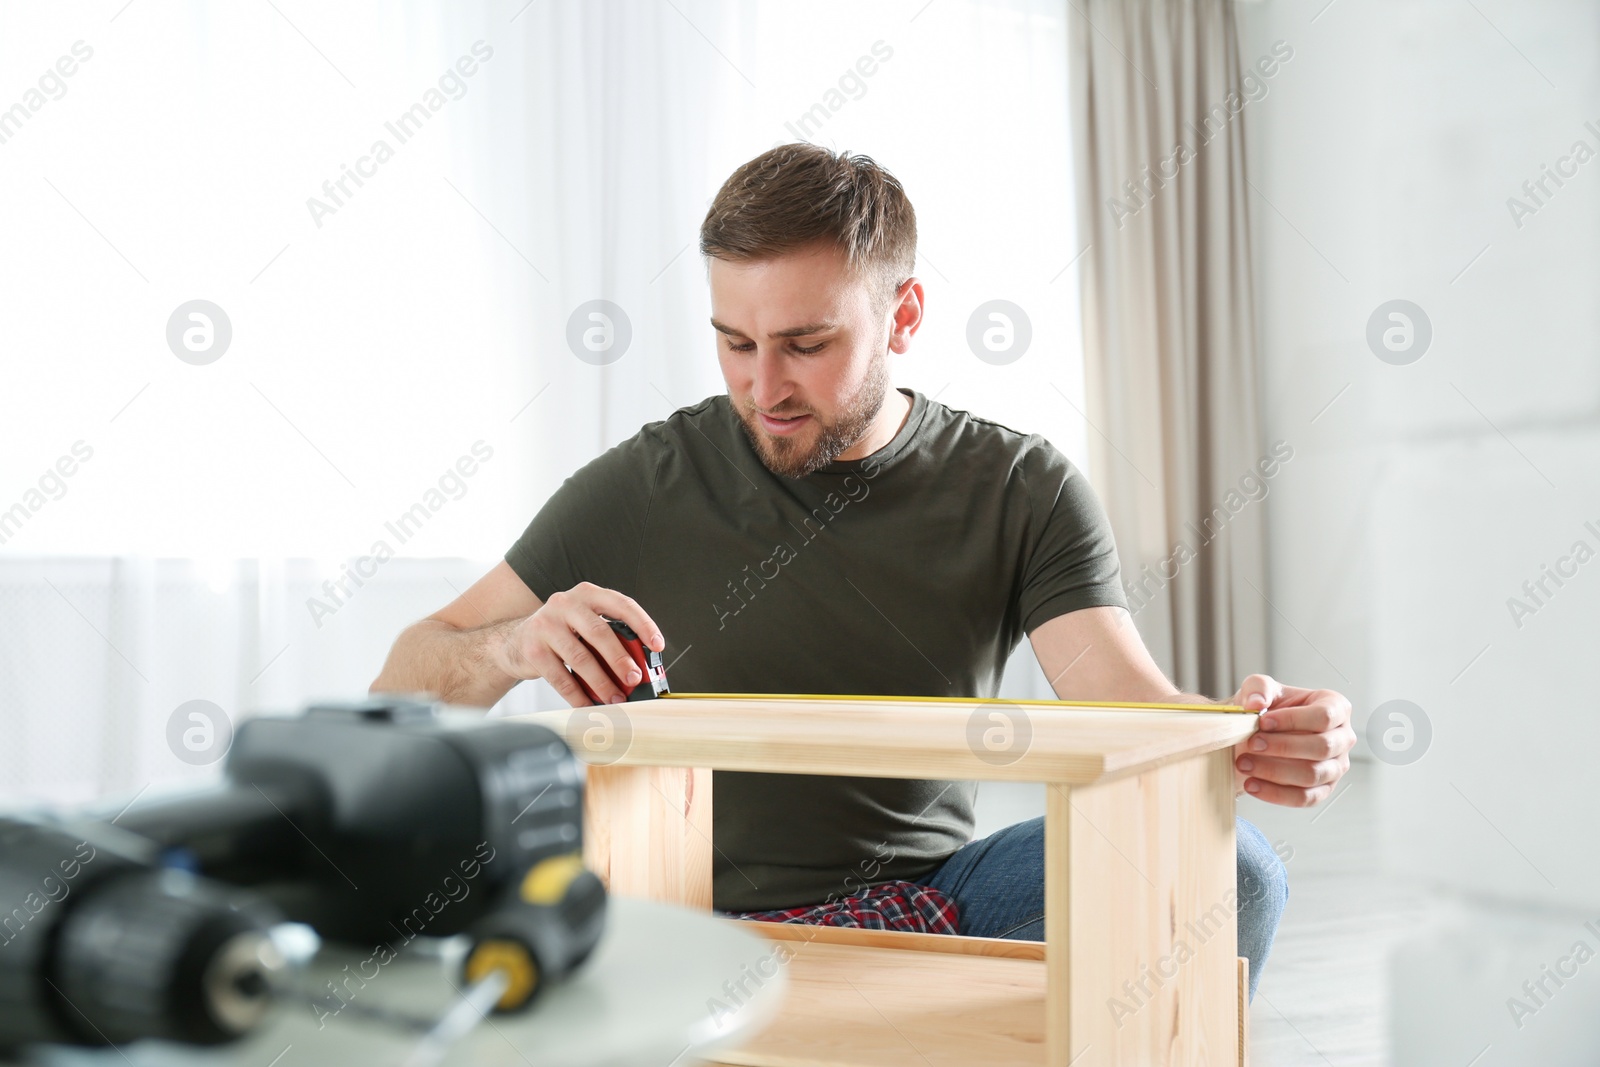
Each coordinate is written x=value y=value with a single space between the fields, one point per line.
x=897 y=905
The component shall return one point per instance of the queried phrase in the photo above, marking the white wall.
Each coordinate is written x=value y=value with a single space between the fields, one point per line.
x=1420 y=501
x=1423 y=498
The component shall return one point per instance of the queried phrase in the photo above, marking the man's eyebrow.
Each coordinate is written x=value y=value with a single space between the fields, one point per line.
x=794 y=331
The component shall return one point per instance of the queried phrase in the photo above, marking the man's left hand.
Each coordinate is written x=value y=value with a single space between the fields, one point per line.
x=1302 y=748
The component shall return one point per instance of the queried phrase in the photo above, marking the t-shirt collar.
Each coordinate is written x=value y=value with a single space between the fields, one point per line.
x=889 y=452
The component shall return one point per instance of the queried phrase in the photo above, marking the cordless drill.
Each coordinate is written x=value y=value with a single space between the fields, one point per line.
x=373 y=822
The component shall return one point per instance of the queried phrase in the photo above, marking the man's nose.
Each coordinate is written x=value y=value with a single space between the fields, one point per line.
x=769 y=385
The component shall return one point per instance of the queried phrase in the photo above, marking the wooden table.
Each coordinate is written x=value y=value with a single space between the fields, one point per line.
x=1139 y=963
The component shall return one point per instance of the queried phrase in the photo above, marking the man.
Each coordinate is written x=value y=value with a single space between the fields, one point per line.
x=817 y=531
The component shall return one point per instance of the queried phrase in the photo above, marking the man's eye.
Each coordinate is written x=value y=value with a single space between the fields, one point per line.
x=749 y=346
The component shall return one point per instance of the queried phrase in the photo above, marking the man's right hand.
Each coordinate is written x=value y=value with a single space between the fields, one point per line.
x=568 y=631
x=475 y=649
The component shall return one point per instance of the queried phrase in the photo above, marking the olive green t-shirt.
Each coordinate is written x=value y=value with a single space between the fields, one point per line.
x=914 y=572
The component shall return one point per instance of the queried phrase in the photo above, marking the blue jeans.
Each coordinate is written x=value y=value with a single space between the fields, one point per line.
x=997 y=883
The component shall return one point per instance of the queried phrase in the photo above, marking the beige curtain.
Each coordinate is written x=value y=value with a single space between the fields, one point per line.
x=1158 y=115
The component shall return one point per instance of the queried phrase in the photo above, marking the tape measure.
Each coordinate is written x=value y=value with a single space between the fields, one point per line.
x=1230 y=708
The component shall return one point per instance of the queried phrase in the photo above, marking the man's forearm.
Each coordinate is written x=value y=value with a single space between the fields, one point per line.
x=1097 y=654
x=1190 y=698
x=457 y=666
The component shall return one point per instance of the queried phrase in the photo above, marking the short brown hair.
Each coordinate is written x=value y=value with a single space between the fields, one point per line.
x=795 y=194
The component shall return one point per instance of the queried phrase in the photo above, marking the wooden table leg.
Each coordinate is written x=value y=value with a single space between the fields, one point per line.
x=1141 y=919
x=647 y=831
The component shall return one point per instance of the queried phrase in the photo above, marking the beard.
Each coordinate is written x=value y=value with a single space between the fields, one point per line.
x=793 y=458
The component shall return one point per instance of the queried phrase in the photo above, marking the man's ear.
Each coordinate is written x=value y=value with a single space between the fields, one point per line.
x=906 y=315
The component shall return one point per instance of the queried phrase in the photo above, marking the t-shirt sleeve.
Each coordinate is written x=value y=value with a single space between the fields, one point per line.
x=1071 y=561
x=591 y=529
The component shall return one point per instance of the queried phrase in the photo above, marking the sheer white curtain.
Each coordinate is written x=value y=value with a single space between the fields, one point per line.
x=399 y=393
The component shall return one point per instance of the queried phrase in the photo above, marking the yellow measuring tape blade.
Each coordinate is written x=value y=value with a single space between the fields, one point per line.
x=1234 y=708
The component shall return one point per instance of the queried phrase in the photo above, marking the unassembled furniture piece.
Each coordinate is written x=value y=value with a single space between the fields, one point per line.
x=1139 y=965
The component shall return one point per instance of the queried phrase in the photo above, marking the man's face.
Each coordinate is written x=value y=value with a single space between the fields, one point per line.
x=804 y=353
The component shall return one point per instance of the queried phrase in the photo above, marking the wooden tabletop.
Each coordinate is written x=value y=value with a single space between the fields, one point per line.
x=895 y=737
